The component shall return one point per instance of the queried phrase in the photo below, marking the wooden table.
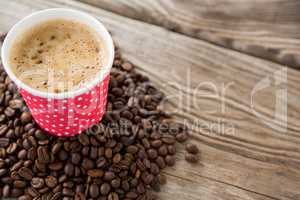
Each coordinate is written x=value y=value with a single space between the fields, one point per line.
x=210 y=57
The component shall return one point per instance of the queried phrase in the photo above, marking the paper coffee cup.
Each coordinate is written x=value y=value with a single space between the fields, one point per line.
x=72 y=112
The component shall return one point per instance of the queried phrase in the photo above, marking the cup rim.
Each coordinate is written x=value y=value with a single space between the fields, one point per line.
x=13 y=33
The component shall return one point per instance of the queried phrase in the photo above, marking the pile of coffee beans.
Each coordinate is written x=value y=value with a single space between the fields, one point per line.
x=119 y=158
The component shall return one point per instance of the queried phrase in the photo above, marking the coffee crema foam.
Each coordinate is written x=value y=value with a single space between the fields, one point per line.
x=58 y=56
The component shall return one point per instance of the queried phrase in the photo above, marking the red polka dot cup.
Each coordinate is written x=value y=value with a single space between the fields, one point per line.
x=69 y=113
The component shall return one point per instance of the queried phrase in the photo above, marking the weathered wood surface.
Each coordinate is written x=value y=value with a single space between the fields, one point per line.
x=264 y=28
x=256 y=162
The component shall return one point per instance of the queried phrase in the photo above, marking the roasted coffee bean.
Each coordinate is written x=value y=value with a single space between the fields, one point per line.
x=117 y=158
x=113 y=196
x=75 y=158
x=105 y=189
x=25 y=117
x=84 y=139
x=87 y=164
x=115 y=183
x=182 y=137
x=56 y=166
x=56 y=148
x=3 y=172
x=37 y=182
x=80 y=196
x=69 y=169
x=95 y=173
x=154 y=169
x=152 y=153
x=127 y=66
x=108 y=153
x=43 y=154
x=171 y=149
x=11 y=148
x=191 y=158
x=4 y=142
x=108 y=176
x=168 y=139
x=94 y=191
x=160 y=162
x=6 y=191
x=192 y=148
x=17 y=166
x=25 y=197
x=51 y=181
x=170 y=160
x=63 y=155
x=163 y=150
x=25 y=173
x=19 y=184
x=131 y=195
x=68 y=192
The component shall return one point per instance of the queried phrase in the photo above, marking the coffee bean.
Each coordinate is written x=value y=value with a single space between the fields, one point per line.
x=105 y=189
x=80 y=196
x=163 y=150
x=113 y=196
x=56 y=166
x=51 y=181
x=94 y=191
x=84 y=139
x=192 y=148
x=182 y=137
x=68 y=192
x=108 y=153
x=87 y=164
x=108 y=176
x=3 y=129
x=25 y=173
x=25 y=197
x=115 y=183
x=37 y=182
x=95 y=173
x=191 y=158
x=127 y=66
x=160 y=162
x=43 y=154
x=11 y=148
x=170 y=160
x=3 y=172
x=9 y=112
x=25 y=117
x=154 y=169
x=6 y=191
x=117 y=158
x=152 y=153
x=63 y=155
x=56 y=196
x=75 y=158
x=56 y=148
x=4 y=142
x=171 y=149
x=69 y=169
x=168 y=139
x=131 y=195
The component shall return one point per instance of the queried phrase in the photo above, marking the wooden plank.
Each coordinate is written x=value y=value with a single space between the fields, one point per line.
x=267 y=28
x=253 y=162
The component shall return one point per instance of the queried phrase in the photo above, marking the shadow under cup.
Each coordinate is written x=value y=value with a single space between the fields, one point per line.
x=69 y=113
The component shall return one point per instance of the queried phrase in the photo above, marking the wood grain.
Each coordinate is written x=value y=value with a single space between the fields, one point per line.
x=255 y=161
x=266 y=28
